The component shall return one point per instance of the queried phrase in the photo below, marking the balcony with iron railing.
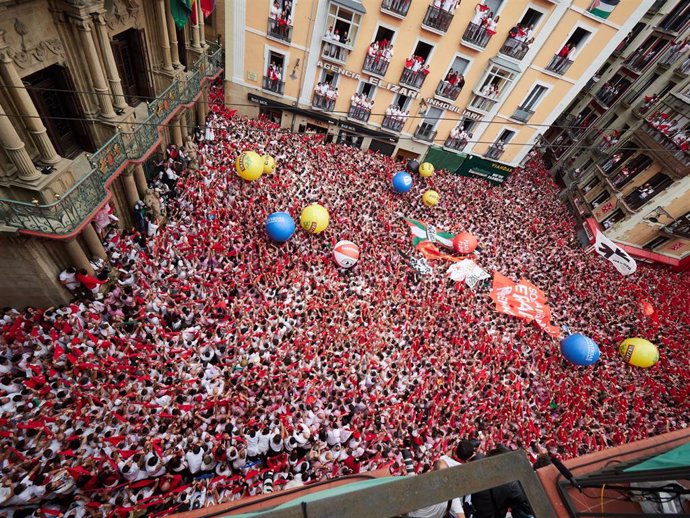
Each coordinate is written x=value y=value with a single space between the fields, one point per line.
x=335 y=51
x=639 y=61
x=522 y=114
x=323 y=102
x=375 y=65
x=279 y=30
x=437 y=19
x=495 y=151
x=455 y=144
x=476 y=35
x=482 y=102
x=514 y=48
x=273 y=85
x=425 y=132
x=359 y=113
x=81 y=200
x=412 y=79
x=397 y=8
x=448 y=91
x=667 y=143
x=393 y=123
x=559 y=65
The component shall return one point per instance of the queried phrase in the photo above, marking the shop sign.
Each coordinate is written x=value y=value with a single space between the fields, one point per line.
x=443 y=106
x=408 y=92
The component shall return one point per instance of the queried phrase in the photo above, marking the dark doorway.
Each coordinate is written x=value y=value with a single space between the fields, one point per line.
x=129 y=49
x=182 y=48
x=53 y=94
x=380 y=146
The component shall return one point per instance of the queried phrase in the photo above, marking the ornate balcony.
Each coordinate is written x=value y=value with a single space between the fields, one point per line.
x=322 y=102
x=476 y=35
x=279 y=30
x=393 y=123
x=275 y=86
x=559 y=65
x=448 y=91
x=425 y=132
x=375 y=65
x=359 y=113
x=495 y=151
x=412 y=79
x=522 y=114
x=455 y=144
x=437 y=19
x=80 y=201
x=514 y=48
x=664 y=141
x=397 y=8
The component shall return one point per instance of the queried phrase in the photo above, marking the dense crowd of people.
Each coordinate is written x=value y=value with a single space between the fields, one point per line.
x=219 y=364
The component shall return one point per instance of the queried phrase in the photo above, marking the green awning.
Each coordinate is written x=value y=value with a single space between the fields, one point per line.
x=442 y=159
x=353 y=5
x=673 y=459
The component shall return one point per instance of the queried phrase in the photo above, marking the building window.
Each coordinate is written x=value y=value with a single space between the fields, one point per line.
x=417 y=66
x=497 y=148
x=561 y=62
x=427 y=128
x=280 y=20
x=274 y=78
x=601 y=198
x=603 y=8
x=656 y=242
x=525 y=111
x=380 y=52
x=677 y=18
x=491 y=88
x=645 y=192
x=591 y=185
x=454 y=80
x=343 y=24
x=612 y=219
x=631 y=170
x=629 y=38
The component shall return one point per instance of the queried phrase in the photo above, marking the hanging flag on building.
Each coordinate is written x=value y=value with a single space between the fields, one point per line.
x=603 y=8
x=207 y=7
x=180 y=11
x=606 y=248
x=421 y=231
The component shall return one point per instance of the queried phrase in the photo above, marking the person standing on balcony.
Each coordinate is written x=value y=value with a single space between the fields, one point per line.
x=275 y=14
x=491 y=24
x=475 y=25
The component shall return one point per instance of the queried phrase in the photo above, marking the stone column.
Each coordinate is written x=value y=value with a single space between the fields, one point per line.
x=202 y=106
x=200 y=21
x=97 y=77
x=140 y=179
x=93 y=242
x=172 y=34
x=77 y=256
x=15 y=149
x=25 y=105
x=109 y=60
x=175 y=131
x=163 y=35
x=130 y=188
x=195 y=35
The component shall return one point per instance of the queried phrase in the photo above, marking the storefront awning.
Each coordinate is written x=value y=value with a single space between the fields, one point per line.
x=504 y=63
x=354 y=5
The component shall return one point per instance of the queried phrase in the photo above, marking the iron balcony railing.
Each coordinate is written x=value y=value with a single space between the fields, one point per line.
x=81 y=200
x=559 y=65
x=483 y=103
x=448 y=91
x=437 y=19
x=280 y=30
x=666 y=142
x=476 y=35
x=456 y=144
x=375 y=65
x=397 y=7
x=425 y=132
x=359 y=113
x=274 y=85
x=322 y=102
x=514 y=48
x=495 y=151
x=393 y=123
x=412 y=79
x=335 y=51
x=522 y=114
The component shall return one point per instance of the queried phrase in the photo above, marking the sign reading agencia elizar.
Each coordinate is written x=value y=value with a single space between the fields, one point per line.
x=412 y=94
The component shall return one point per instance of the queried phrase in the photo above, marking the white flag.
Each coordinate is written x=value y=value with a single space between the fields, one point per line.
x=606 y=248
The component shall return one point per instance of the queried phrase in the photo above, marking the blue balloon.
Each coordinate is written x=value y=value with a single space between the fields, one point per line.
x=280 y=226
x=580 y=349
x=402 y=182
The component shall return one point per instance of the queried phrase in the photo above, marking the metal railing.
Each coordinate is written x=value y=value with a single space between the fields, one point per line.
x=375 y=65
x=280 y=30
x=522 y=114
x=456 y=144
x=666 y=142
x=359 y=113
x=322 y=102
x=476 y=35
x=412 y=79
x=274 y=85
x=559 y=65
x=514 y=48
x=483 y=103
x=399 y=7
x=495 y=151
x=335 y=51
x=393 y=123
x=447 y=90
x=80 y=201
x=425 y=132
x=437 y=19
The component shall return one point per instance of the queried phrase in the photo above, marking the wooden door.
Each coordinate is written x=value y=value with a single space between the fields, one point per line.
x=125 y=67
x=142 y=70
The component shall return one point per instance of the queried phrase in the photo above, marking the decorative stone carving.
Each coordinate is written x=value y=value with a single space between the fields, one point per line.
x=122 y=15
x=28 y=53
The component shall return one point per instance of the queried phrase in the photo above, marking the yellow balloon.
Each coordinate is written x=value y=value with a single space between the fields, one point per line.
x=426 y=170
x=430 y=198
x=269 y=164
x=639 y=352
x=314 y=218
x=249 y=166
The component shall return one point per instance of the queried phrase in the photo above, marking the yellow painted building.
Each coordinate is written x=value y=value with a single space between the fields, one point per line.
x=515 y=82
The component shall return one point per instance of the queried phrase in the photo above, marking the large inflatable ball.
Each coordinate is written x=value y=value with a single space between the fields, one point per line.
x=413 y=166
x=346 y=254
x=402 y=182
x=426 y=170
x=280 y=226
x=464 y=243
x=430 y=198
x=580 y=349
x=314 y=218
x=249 y=165
x=269 y=164
x=639 y=352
